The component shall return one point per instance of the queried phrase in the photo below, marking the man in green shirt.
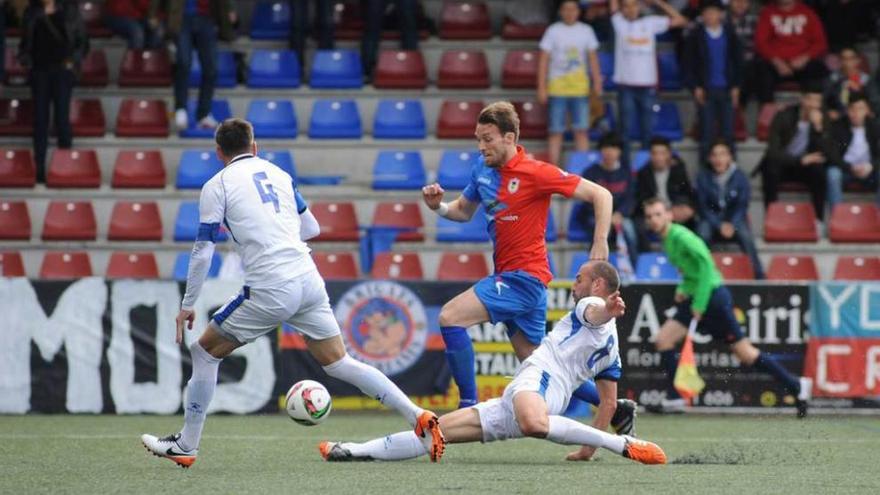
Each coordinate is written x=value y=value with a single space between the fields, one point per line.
x=702 y=296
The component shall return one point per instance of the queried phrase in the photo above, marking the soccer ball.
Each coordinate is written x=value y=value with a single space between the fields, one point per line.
x=308 y=402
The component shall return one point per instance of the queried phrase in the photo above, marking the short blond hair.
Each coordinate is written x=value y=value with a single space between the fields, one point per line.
x=503 y=115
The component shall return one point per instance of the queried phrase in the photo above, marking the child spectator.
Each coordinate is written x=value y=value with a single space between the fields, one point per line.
x=744 y=21
x=846 y=81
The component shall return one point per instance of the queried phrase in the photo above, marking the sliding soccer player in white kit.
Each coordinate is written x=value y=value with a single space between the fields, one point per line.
x=269 y=222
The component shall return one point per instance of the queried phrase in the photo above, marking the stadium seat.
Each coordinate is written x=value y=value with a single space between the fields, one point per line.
x=87 y=118
x=765 y=118
x=74 y=168
x=14 y=74
x=790 y=267
x=472 y=231
x=70 y=221
x=270 y=20
x=532 y=119
x=145 y=68
x=94 y=71
x=463 y=69
x=513 y=30
x=454 y=171
x=465 y=20
x=125 y=264
x=667 y=123
x=15 y=222
x=281 y=158
x=92 y=14
x=135 y=221
x=669 y=71
x=457 y=119
x=550 y=235
x=790 y=222
x=273 y=69
x=17 y=168
x=186 y=224
x=220 y=110
x=576 y=231
x=579 y=161
x=65 y=265
x=519 y=69
x=406 y=216
x=196 y=167
x=398 y=170
x=335 y=119
x=734 y=266
x=399 y=119
x=400 y=69
x=462 y=266
x=139 y=169
x=857 y=268
x=11 y=264
x=338 y=221
x=397 y=266
x=854 y=222
x=142 y=118
x=336 y=266
x=606 y=67
x=340 y=69
x=181 y=265
x=272 y=118
x=655 y=267
x=349 y=19
x=226 y=71
x=16 y=117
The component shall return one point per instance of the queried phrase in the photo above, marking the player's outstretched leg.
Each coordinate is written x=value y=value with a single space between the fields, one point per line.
x=567 y=431
x=801 y=388
x=463 y=311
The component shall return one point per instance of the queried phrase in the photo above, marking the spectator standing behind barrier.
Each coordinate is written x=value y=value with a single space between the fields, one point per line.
x=790 y=43
x=635 y=63
x=846 y=81
x=129 y=19
x=723 y=194
x=744 y=21
x=853 y=150
x=299 y=26
x=568 y=48
x=53 y=44
x=665 y=177
x=407 y=15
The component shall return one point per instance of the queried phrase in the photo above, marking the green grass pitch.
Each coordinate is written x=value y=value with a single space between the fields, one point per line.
x=271 y=454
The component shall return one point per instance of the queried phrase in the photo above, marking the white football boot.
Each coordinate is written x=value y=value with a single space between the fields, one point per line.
x=168 y=448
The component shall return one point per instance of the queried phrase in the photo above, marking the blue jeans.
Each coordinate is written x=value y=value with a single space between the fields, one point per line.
x=578 y=107
x=639 y=101
x=716 y=118
x=137 y=32
x=197 y=32
x=837 y=179
x=742 y=235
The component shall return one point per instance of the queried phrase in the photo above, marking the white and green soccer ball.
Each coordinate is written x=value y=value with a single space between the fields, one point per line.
x=308 y=402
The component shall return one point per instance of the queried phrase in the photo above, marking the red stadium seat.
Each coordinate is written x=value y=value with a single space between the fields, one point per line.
x=94 y=71
x=857 y=268
x=791 y=267
x=11 y=264
x=457 y=119
x=400 y=69
x=93 y=16
x=790 y=222
x=70 y=221
x=462 y=266
x=349 y=20
x=404 y=215
x=463 y=69
x=139 y=169
x=854 y=222
x=87 y=118
x=512 y=30
x=135 y=221
x=142 y=118
x=65 y=265
x=145 y=68
x=734 y=266
x=16 y=117
x=520 y=69
x=336 y=266
x=532 y=119
x=397 y=266
x=338 y=221
x=465 y=20
x=124 y=264
x=15 y=222
x=17 y=168
x=15 y=74
x=765 y=118
x=74 y=168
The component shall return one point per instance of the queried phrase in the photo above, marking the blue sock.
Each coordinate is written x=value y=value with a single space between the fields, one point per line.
x=769 y=365
x=669 y=361
x=587 y=392
x=460 y=356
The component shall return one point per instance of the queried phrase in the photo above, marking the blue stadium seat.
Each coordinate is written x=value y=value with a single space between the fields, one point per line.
x=550 y=234
x=473 y=231
x=225 y=70
x=220 y=110
x=282 y=158
x=669 y=71
x=640 y=159
x=607 y=123
x=272 y=118
x=335 y=119
x=454 y=171
x=606 y=67
x=186 y=225
x=576 y=232
x=181 y=265
x=399 y=119
x=273 y=69
x=579 y=161
x=196 y=167
x=655 y=267
x=399 y=170
x=336 y=69
x=582 y=257
x=270 y=20
x=667 y=123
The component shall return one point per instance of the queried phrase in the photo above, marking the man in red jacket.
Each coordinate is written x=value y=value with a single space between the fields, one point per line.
x=790 y=43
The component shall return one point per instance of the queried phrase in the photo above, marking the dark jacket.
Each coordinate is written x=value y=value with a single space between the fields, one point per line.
x=174 y=9
x=836 y=96
x=782 y=131
x=678 y=186
x=74 y=27
x=732 y=207
x=839 y=136
x=696 y=58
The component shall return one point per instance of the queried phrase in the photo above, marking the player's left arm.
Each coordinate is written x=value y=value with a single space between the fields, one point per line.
x=597 y=311
x=607 y=403
x=309 y=227
x=603 y=206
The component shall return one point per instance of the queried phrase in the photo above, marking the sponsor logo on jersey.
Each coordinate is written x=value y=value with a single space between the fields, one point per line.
x=484 y=180
x=513 y=185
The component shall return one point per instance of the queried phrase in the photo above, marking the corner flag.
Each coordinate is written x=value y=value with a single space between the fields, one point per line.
x=687 y=380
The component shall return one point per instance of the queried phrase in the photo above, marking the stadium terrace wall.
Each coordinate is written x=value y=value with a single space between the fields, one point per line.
x=98 y=346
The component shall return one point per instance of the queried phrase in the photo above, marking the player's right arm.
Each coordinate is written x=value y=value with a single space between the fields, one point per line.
x=462 y=209
x=603 y=206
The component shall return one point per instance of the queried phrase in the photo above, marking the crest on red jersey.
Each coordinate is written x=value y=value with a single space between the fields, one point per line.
x=513 y=185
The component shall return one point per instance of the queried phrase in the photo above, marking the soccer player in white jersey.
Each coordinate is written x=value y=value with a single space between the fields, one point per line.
x=269 y=222
x=581 y=346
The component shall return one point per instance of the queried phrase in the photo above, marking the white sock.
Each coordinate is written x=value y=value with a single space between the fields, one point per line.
x=373 y=383
x=396 y=447
x=199 y=392
x=570 y=432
